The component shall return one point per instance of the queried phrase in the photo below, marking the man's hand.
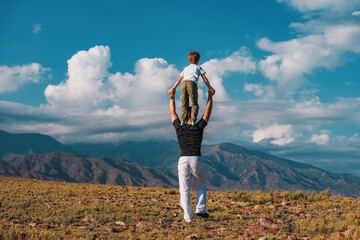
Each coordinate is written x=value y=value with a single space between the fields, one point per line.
x=172 y=91
x=211 y=92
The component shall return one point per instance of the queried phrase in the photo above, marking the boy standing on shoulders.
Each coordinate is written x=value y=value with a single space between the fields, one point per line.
x=189 y=87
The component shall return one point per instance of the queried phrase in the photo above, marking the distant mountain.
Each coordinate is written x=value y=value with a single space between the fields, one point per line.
x=233 y=167
x=230 y=166
x=29 y=143
x=79 y=168
x=157 y=154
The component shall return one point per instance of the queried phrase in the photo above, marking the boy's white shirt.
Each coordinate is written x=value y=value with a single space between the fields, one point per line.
x=192 y=72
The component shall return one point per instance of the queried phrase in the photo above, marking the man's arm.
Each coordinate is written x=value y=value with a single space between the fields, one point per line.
x=173 y=114
x=209 y=105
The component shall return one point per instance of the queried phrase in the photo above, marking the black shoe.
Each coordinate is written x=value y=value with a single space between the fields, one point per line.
x=203 y=215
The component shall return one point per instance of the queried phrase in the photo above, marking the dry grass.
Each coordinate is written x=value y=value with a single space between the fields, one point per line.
x=32 y=209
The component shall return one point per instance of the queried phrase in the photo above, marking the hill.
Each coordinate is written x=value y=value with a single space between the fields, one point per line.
x=70 y=167
x=7 y=170
x=156 y=154
x=229 y=167
x=233 y=167
x=33 y=209
x=29 y=143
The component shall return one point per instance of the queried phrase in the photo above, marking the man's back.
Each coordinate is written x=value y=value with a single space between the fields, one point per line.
x=190 y=137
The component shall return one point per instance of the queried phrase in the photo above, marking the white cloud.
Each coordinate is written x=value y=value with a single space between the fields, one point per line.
x=37 y=28
x=295 y=58
x=321 y=139
x=322 y=5
x=93 y=104
x=279 y=134
x=324 y=40
x=118 y=105
x=356 y=13
x=258 y=89
x=83 y=88
x=216 y=69
x=11 y=78
x=343 y=37
x=147 y=88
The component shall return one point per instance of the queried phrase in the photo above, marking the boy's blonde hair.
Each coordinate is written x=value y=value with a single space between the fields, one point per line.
x=193 y=57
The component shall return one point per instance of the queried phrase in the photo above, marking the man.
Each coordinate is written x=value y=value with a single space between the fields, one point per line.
x=190 y=166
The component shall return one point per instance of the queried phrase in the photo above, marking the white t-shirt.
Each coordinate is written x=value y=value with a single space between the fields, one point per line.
x=192 y=72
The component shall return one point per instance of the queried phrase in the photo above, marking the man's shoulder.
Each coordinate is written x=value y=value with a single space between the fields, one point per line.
x=202 y=123
x=176 y=123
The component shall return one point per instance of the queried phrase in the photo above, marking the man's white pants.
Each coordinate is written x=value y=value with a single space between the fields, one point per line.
x=192 y=174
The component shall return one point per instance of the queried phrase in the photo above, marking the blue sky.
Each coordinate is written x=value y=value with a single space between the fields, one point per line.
x=286 y=72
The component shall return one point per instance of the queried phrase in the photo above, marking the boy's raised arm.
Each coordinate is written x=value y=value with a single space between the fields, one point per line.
x=177 y=83
x=207 y=83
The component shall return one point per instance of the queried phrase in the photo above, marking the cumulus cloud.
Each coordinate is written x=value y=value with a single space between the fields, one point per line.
x=83 y=88
x=324 y=40
x=295 y=58
x=257 y=89
x=343 y=37
x=216 y=69
x=106 y=105
x=279 y=134
x=11 y=78
x=91 y=86
x=320 y=139
x=37 y=28
x=322 y=5
x=356 y=13
x=146 y=88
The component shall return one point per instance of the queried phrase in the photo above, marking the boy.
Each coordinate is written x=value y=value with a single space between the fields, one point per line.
x=189 y=87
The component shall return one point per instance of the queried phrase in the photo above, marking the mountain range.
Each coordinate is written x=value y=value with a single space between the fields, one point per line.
x=154 y=163
x=70 y=167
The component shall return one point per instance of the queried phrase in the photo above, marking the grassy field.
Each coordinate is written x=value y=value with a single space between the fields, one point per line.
x=32 y=209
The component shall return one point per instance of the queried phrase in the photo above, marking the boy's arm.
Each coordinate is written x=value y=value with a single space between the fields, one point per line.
x=178 y=82
x=172 y=90
x=173 y=114
x=207 y=81
x=209 y=105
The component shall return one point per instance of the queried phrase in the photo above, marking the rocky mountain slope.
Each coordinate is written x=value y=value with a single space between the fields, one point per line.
x=228 y=166
x=233 y=167
x=79 y=168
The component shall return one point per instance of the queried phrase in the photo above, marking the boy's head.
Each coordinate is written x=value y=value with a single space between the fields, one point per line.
x=194 y=57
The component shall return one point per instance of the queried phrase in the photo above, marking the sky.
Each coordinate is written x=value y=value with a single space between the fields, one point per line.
x=286 y=72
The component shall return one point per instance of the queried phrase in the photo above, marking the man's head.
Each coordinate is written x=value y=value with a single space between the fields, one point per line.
x=194 y=57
